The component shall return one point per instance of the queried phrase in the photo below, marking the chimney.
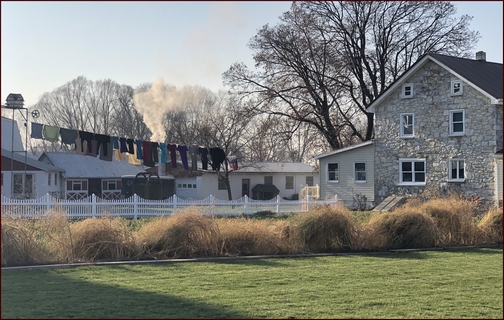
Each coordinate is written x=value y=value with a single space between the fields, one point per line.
x=481 y=56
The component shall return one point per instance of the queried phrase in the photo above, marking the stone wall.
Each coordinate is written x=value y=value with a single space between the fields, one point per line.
x=431 y=105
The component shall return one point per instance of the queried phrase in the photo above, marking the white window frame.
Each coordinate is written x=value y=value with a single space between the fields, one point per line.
x=452 y=88
x=401 y=120
x=450 y=167
x=357 y=172
x=336 y=173
x=289 y=185
x=403 y=90
x=413 y=172
x=452 y=132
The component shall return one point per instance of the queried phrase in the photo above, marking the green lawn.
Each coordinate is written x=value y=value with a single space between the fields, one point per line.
x=451 y=283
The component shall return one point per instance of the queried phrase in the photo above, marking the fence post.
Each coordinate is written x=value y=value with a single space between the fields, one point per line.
x=246 y=204
x=307 y=202
x=278 y=204
x=135 y=206
x=48 y=203
x=174 y=203
x=93 y=205
x=211 y=204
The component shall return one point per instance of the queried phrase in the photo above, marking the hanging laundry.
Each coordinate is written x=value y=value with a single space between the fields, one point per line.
x=183 y=155
x=133 y=158
x=36 y=130
x=106 y=150
x=218 y=157
x=154 y=150
x=80 y=146
x=130 y=143
x=103 y=141
x=162 y=152
x=115 y=141
x=146 y=150
x=94 y=149
x=122 y=145
x=203 y=151
x=173 y=154
x=119 y=156
x=51 y=133
x=193 y=151
x=88 y=137
x=68 y=136
x=139 y=149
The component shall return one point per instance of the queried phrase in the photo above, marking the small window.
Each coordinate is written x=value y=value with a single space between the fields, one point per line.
x=456 y=170
x=179 y=185
x=222 y=184
x=309 y=181
x=55 y=179
x=332 y=172
x=189 y=186
x=76 y=185
x=268 y=180
x=456 y=88
x=112 y=185
x=407 y=90
x=184 y=185
x=360 y=172
x=457 y=127
x=289 y=182
x=412 y=171
x=2 y=179
x=18 y=183
x=194 y=186
x=48 y=179
x=407 y=123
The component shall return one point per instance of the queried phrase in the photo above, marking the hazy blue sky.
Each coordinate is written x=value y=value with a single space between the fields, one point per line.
x=46 y=44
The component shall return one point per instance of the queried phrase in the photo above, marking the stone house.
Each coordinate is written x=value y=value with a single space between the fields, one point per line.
x=438 y=128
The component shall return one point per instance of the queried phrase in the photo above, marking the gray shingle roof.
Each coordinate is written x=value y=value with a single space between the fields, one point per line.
x=29 y=161
x=277 y=167
x=77 y=166
x=483 y=74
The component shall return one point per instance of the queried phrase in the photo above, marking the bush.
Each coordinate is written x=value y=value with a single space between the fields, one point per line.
x=403 y=228
x=454 y=220
x=325 y=229
x=19 y=244
x=102 y=239
x=491 y=225
x=252 y=237
x=185 y=234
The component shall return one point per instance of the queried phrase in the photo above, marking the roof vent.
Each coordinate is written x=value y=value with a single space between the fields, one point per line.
x=481 y=56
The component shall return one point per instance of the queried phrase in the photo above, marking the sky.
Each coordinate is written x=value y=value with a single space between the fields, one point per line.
x=47 y=44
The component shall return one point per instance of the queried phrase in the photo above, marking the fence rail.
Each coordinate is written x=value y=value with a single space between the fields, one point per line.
x=136 y=207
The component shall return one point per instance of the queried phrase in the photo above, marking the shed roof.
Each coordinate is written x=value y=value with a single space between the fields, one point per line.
x=77 y=166
x=30 y=161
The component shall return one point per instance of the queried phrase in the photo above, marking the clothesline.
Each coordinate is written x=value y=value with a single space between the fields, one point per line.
x=139 y=151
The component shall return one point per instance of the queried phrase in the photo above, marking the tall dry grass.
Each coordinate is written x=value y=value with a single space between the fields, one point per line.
x=185 y=234
x=491 y=226
x=325 y=229
x=254 y=237
x=454 y=220
x=403 y=228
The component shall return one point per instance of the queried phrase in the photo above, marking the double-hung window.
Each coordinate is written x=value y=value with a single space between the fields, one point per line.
x=407 y=90
x=456 y=88
x=412 y=171
x=268 y=180
x=407 y=122
x=457 y=122
x=332 y=172
x=360 y=172
x=456 y=172
x=289 y=182
x=221 y=183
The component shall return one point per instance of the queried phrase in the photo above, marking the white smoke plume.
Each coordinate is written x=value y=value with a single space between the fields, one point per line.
x=153 y=104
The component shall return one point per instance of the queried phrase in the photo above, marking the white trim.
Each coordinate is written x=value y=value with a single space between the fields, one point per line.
x=450 y=170
x=452 y=133
x=403 y=90
x=401 y=125
x=354 y=172
x=452 y=88
x=367 y=143
x=327 y=172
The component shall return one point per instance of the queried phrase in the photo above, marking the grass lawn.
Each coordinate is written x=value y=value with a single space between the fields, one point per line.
x=455 y=283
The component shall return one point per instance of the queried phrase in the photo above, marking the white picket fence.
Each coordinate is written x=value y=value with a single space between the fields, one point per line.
x=135 y=207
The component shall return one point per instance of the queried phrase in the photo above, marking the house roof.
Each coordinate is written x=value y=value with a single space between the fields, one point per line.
x=29 y=161
x=484 y=76
x=77 y=166
x=276 y=167
x=366 y=143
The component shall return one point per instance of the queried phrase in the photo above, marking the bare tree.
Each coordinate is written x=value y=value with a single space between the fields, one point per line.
x=127 y=121
x=325 y=62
